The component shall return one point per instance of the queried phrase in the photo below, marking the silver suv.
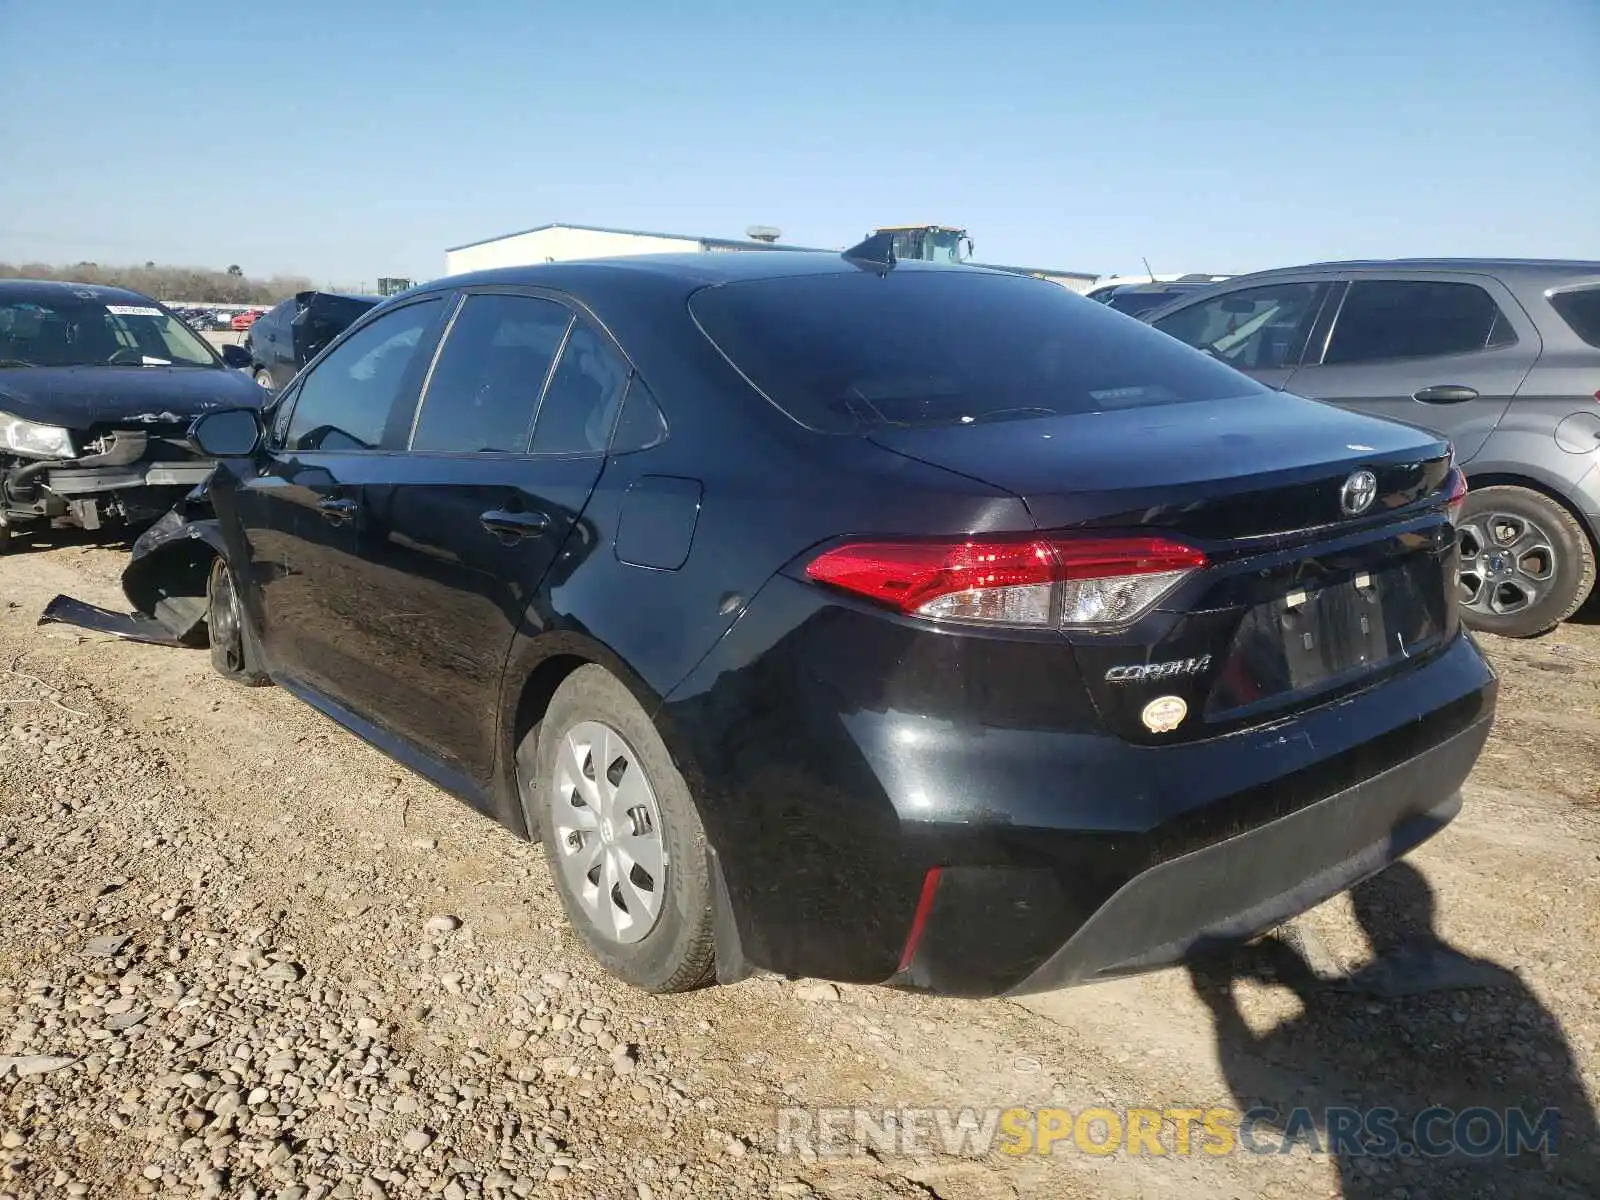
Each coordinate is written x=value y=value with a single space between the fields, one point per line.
x=1500 y=355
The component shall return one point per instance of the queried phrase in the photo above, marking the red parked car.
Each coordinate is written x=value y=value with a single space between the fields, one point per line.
x=244 y=320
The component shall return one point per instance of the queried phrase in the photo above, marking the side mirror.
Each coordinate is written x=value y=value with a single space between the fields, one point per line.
x=227 y=433
x=236 y=356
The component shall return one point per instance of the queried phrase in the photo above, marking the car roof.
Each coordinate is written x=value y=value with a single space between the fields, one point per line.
x=311 y=294
x=683 y=272
x=1173 y=285
x=45 y=291
x=1523 y=270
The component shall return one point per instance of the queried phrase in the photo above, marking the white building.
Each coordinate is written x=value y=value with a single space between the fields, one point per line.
x=561 y=243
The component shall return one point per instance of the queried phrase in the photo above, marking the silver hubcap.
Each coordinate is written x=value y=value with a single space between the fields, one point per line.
x=606 y=830
x=1508 y=563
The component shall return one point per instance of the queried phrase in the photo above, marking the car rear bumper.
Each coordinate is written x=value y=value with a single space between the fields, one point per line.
x=1229 y=891
x=831 y=784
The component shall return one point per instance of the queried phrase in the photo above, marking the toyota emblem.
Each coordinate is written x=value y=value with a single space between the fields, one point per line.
x=1358 y=493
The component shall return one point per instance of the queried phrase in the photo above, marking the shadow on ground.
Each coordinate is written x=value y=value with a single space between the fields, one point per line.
x=1418 y=1074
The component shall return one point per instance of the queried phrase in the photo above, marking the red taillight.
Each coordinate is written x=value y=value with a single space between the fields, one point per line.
x=1455 y=493
x=919 y=918
x=1009 y=581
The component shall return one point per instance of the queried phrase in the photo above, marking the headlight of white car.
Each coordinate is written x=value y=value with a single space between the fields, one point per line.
x=32 y=439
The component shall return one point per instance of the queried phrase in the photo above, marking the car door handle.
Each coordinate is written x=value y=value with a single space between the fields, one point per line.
x=1445 y=393
x=337 y=510
x=512 y=527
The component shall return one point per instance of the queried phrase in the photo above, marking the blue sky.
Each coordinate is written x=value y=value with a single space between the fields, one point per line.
x=348 y=140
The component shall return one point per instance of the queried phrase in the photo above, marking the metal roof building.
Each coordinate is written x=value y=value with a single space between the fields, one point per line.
x=560 y=242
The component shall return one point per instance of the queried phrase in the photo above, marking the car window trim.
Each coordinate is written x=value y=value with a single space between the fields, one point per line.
x=627 y=393
x=459 y=301
x=1322 y=328
x=298 y=387
x=549 y=378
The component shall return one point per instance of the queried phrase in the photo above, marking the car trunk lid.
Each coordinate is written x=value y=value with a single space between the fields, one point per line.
x=1251 y=465
x=1300 y=600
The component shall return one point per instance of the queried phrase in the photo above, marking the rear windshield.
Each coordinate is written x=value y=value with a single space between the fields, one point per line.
x=1581 y=310
x=849 y=351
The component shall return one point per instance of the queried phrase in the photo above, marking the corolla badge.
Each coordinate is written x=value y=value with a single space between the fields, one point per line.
x=1358 y=493
x=1140 y=672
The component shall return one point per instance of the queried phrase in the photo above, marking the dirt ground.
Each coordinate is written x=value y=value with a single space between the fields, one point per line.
x=241 y=953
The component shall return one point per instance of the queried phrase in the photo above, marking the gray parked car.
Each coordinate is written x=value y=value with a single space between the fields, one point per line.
x=1502 y=356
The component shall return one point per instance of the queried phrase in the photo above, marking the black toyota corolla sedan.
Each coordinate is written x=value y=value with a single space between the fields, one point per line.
x=98 y=386
x=836 y=617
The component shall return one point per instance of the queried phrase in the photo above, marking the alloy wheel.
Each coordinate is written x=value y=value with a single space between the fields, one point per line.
x=1508 y=563
x=606 y=827
x=225 y=620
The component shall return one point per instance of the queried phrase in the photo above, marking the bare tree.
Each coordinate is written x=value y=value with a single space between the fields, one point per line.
x=200 y=284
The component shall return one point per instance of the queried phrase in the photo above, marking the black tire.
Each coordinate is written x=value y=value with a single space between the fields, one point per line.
x=1571 y=573
x=5 y=532
x=232 y=654
x=678 y=952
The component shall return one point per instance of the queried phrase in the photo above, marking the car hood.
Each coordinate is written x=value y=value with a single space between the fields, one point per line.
x=86 y=397
x=1171 y=457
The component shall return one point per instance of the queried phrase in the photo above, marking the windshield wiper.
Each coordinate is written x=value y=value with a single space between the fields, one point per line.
x=16 y=362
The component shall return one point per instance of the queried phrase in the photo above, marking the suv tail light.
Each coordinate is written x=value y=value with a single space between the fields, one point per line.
x=1073 y=583
x=1455 y=493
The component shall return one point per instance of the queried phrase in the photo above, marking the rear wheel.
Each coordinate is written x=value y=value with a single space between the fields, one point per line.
x=5 y=531
x=1526 y=563
x=621 y=834
x=231 y=653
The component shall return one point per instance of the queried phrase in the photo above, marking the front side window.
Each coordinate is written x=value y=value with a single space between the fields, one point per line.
x=485 y=386
x=1254 y=329
x=1383 y=319
x=80 y=331
x=584 y=395
x=347 y=400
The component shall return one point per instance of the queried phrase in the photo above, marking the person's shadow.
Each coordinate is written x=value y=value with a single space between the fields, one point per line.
x=1426 y=1074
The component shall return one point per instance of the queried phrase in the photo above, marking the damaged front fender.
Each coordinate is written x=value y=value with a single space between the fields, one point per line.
x=130 y=627
x=165 y=580
x=166 y=577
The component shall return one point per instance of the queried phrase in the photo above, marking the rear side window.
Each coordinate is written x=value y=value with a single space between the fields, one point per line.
x=1254 y=329
x=1581 y=310
x=641 y=424
x=1134 y=303
x=843 y=352
x=1384 y=319
x=486 y=383
x=583 y=398
x=273 y=320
